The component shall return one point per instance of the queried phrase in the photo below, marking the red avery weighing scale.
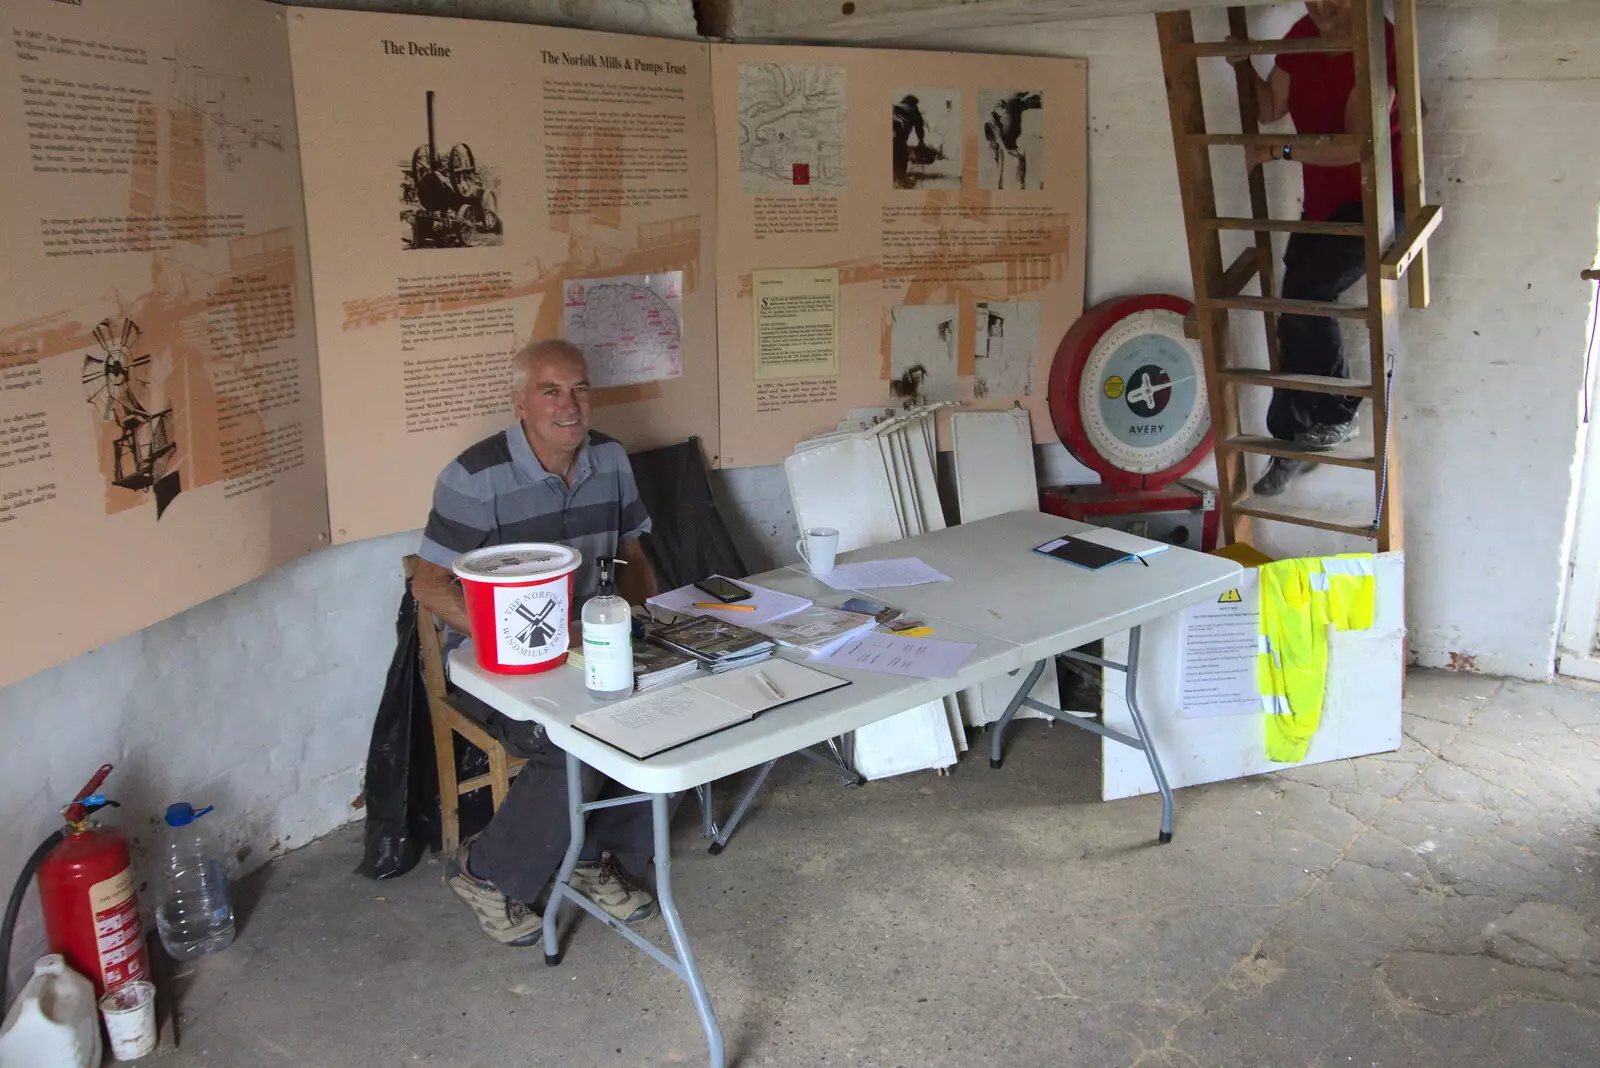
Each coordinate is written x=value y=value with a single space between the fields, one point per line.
x=1128 y=398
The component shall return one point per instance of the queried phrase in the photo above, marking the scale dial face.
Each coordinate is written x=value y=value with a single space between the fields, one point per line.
x=1143 y=399
x=1128 y=392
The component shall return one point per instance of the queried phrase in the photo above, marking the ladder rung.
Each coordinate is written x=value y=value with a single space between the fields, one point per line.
x=1284 y=380
x=1296 y=140
x=1265 y=48
x=1290 y=306
x=1303 y=515
x=1286 y=226
x=1409 y=245
x=1346 y=454
x=1234 y=279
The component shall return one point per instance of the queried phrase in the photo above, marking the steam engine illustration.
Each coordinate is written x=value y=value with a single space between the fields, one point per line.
x=448 y=200
x=143 y=450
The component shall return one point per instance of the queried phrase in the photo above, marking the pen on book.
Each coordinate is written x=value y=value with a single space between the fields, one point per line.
x=770 y=685
x=726 y=607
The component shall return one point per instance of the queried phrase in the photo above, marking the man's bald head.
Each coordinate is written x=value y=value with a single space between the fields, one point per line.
x=536 y=353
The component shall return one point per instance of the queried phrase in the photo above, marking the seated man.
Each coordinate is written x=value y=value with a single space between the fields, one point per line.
x=545 y=478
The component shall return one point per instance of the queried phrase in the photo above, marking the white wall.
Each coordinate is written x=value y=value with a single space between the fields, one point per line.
x=260 y=701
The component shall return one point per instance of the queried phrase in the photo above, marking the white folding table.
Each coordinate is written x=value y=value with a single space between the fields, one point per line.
x=1018 y=608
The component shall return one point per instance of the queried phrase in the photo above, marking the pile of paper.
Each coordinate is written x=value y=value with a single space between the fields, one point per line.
x=816 y=631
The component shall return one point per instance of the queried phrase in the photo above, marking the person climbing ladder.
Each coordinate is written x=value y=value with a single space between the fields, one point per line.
x=1315 y=89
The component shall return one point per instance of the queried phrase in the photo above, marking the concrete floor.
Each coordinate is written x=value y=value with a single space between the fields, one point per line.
x=1435 y=906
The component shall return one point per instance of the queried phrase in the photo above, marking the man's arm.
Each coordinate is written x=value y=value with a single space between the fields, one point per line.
x=637 y=581
x=1271 y=92
x=1318 y=155
x=436 y=589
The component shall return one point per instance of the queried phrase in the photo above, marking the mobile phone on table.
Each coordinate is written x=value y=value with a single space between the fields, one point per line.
x=722 y=590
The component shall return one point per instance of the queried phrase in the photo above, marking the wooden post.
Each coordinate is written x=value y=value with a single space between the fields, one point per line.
x=1187 y=112
x=1408 y=88
x=1250 y=123
x=1377 y=204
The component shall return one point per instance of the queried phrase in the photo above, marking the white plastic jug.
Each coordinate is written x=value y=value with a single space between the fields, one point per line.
x=54 y=1023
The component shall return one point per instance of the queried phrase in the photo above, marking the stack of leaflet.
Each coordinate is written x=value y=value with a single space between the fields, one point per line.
x=817 y=631
x=654 y=666
x=719 y=645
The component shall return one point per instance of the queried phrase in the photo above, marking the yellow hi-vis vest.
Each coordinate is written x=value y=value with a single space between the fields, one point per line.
x=1299 y=599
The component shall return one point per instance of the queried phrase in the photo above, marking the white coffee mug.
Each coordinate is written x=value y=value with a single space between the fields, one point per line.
x=817 y=547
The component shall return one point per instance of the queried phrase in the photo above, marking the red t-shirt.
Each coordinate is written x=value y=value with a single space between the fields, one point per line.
x=1320 y=84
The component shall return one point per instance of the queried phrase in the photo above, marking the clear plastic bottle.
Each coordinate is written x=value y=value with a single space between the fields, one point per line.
x=607 y=638
x=195 y=914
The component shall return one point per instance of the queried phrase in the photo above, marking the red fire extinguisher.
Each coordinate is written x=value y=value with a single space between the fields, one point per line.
x=86 y=887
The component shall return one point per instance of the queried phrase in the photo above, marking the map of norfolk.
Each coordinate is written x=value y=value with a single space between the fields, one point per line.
x=629 y=331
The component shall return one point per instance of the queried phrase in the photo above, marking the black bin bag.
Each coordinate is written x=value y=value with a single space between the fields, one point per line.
x=401 y=787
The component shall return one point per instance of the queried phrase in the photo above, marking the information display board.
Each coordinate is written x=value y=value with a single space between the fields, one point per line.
x=160 y=433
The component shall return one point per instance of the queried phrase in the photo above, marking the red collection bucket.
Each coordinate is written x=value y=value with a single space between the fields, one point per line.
x=519 y=599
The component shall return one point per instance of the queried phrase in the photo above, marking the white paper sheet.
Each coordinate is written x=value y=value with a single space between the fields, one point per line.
x=748 y=687
x=874 y=574
x=1131 y=544
x=649 y=723
x=922 y=658
x=1218 y=648
x=767 y=604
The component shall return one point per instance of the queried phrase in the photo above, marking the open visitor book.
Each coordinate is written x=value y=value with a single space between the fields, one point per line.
x=651 y=723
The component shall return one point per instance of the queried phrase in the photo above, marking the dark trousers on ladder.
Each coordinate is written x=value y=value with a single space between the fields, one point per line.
x=1316 y=267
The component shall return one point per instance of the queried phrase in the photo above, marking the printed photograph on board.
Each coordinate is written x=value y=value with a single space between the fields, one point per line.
x=1006 y=336
x=922 y=352
x=448 y=198
x=791 y=128
x=927 y=138
x=1011 y=155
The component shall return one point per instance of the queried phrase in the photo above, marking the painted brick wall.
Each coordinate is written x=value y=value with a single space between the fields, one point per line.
x=260 y=701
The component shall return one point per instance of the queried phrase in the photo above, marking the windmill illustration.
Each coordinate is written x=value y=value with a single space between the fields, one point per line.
x=112 y=382
x=538 y=632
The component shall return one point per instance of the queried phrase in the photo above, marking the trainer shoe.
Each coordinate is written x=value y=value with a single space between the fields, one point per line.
x=607 y=884
x=1326 y=435
x=1279 y=473
x=511 y=923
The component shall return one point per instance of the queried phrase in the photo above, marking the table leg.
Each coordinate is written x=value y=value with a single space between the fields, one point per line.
x=682 y=965
x=997 y=733
x=576 y=826
x=686 y=969
x=1140 y=739
x=1132 y=696
x=720 y=834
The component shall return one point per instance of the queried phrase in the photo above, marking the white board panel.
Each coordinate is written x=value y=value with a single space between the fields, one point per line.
x=1360 y=710
x=844 y=485
x=993 y=463
x=916 y=740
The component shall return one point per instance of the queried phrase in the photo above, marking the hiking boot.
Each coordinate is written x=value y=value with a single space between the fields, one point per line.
x=1279 y=473
x=511 y=923
x=607 y=884
x=1326 y=435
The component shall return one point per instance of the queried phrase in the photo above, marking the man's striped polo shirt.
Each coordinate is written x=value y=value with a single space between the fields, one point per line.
x=497 y=492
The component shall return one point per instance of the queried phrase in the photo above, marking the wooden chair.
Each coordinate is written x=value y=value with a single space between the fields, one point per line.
x=449 y=721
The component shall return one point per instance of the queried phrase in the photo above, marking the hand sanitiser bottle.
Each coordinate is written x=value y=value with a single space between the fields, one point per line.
x=608 y=638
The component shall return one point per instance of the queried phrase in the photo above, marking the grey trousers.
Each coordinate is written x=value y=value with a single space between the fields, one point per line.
x=523 y=845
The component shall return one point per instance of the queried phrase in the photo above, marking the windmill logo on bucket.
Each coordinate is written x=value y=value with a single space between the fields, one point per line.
x=532 y=623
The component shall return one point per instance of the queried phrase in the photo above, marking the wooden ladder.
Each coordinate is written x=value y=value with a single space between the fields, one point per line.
x=1219 y=290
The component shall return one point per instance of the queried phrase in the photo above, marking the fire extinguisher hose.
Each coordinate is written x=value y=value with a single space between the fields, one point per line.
x=14 y=906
